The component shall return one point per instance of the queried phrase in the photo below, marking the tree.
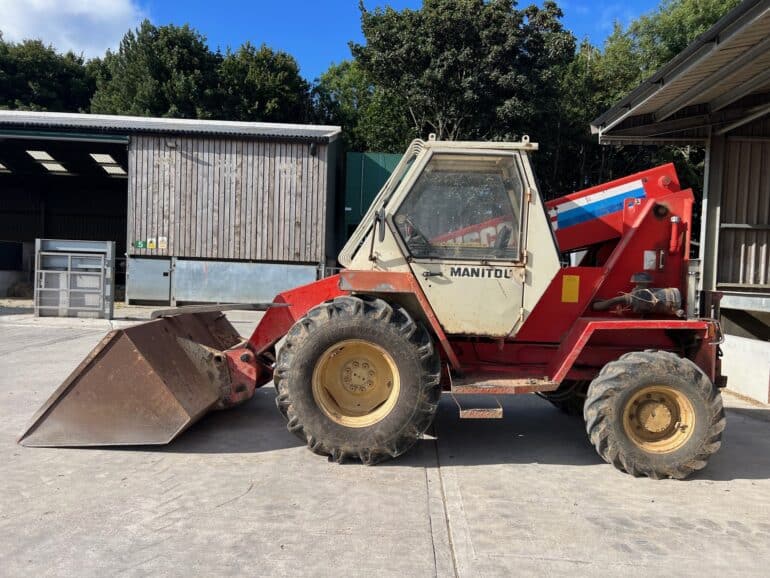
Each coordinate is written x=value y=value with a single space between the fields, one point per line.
x=262 y=85
x=371 y=118
x=466 y=68
x=659 y=36
x=158 y=71
x=596 y=79
x=34 y=76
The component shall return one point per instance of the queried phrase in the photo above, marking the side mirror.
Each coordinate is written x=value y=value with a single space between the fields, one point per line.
x=378 y=230
x=381 y=223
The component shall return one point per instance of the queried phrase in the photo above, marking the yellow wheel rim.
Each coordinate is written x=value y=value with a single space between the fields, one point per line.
x=356 y=383
x=659 y=419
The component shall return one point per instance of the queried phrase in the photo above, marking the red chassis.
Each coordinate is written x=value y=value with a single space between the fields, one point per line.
x=563 y=338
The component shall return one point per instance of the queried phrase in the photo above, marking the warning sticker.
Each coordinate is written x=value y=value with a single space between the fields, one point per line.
x=650 y=260
x=570 y=288
x=162 y=242
x=151 y=243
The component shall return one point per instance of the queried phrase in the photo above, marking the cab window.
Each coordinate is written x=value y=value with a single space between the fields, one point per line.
x=464 y=207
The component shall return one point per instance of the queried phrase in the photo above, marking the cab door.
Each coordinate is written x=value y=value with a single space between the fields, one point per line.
x=462 y=225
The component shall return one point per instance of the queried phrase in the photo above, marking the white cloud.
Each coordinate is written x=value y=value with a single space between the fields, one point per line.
x=89 y=27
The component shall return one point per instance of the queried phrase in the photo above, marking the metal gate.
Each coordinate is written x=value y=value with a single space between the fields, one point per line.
x=74 y=278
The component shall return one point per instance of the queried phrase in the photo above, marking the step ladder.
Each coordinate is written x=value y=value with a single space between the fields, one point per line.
x=489 y=408
x=478 y=399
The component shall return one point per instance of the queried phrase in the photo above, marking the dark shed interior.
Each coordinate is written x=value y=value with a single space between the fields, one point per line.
x=72 y=196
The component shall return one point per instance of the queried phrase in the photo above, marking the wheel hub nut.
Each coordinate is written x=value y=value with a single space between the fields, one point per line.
x=358 y=376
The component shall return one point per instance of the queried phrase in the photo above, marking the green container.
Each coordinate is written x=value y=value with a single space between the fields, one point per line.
x=365 y=175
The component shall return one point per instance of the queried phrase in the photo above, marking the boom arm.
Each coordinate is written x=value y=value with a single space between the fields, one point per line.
x=595 y=215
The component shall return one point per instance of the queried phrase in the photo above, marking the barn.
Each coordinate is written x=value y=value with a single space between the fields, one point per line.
x=716 y=94
x=200 y=210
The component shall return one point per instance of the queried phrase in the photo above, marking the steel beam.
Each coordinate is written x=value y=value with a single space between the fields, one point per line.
x=691 y=94
x=746 y=301
x=759 y=111
x=740 y=91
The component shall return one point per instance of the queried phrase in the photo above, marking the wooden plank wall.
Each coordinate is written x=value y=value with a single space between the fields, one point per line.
x=228 y=199
x=744 y=238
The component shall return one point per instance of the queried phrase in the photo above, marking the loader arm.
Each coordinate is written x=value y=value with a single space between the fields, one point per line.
x=277 y=321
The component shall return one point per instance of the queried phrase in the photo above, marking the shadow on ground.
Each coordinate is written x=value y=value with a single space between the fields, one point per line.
x=531 y=432
x=745 y=451
x=534 y=432
x=254 y=427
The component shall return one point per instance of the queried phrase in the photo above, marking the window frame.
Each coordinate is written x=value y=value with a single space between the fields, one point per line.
x=523 y=200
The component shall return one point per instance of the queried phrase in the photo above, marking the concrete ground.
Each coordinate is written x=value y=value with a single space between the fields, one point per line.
x=237 y=494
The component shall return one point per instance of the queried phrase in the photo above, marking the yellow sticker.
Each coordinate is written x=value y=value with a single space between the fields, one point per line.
x=570 y=288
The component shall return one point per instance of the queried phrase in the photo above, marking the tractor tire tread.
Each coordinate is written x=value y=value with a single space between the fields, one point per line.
x=608 y=385
x=377 y=310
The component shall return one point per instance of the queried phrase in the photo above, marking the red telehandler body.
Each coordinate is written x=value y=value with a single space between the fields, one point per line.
x=457 y=280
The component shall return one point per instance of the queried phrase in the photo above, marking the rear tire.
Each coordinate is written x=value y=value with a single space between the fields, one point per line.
x=358 y=378
x=654 y=414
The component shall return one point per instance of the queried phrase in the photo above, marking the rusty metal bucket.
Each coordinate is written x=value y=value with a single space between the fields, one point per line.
x=141 y=385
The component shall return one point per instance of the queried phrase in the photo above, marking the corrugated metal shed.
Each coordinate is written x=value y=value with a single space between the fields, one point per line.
x=15 y=119
x=254 y=197
x=226 y=198
x=83 y=203
x=744 y=210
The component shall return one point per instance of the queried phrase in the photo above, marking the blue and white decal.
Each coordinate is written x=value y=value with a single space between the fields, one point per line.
x=595 y=205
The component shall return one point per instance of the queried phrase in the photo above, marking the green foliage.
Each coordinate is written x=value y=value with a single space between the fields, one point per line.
x=466 y=68
x=170 y=71
x=596 y=79
x=371 y=118
x=659 y=36
x=158 y=71
x=483 y=69
x=34 y=76
x=261 y=85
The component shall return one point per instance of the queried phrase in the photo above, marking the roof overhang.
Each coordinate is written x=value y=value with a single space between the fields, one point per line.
x=719 y=82
x=76 y=126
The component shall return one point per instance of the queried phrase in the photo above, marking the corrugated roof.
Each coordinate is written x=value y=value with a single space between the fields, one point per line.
x=725 y=64
x=64 y=121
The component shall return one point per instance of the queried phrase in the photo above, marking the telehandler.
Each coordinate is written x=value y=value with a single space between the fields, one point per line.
x=457 y=280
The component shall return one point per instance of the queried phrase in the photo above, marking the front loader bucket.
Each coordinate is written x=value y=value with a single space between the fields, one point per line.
x=141 y=385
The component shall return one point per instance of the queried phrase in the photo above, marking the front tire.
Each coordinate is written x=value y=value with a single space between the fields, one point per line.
x=654 y=414
x=358 y=378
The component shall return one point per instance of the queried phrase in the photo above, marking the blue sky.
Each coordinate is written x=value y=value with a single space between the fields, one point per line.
x=315 y=32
